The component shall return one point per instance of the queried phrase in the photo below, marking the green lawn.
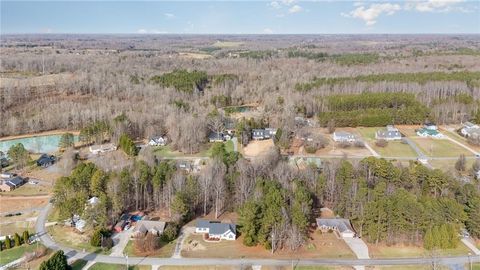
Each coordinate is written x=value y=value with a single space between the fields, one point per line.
x=106 y=266
x=440 y=147
x=78 y=264
x=476 y=266
x=12 y=254
x=393 y=149
x=165 y=250
x=449 y=165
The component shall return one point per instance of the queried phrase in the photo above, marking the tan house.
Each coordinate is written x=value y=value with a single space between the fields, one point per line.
x=11 y=183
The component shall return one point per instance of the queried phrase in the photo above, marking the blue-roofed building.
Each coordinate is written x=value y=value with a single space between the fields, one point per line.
x=216 y=229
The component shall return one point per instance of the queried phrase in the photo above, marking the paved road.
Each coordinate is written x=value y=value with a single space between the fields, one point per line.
x=74 y=254
x=235 y=144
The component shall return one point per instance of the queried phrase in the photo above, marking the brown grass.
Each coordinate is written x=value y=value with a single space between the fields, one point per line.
x=318 y=246
x=257 y=148
x=19 y=203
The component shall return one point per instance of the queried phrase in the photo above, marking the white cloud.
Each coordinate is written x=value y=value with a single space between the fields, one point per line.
x=435 y=5
x=152 y=31
x=169 y=15
x=142 y=31
x=268 y=31
x=370 y=14
x=295 y=9
x=275 y=5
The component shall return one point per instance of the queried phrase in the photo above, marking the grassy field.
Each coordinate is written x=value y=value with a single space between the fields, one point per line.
x=30 y=190
x=227 y=44
x=400 y=251
x=408 y=267
x=320 y=246
x=476 y=266
x=12 y=254
x=449 y=165
x=393 y=149
x=68 y=237
x=165 y=251
x=78 y=264
x=440 y=147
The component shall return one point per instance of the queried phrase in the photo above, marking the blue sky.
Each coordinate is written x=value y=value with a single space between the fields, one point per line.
x=241 y=17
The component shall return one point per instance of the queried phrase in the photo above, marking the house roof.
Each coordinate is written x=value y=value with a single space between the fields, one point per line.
x=215 y=227
x=215 y=136
x=388 y=133
x=44 y=159
x=14 y=181
x=144 y=226
x=342 y=224
x=342 y=134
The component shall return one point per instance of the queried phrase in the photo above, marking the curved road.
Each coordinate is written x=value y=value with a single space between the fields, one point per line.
x=75 y=254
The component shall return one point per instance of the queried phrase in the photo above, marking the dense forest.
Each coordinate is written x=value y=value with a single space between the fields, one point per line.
x=171 y=84
x=387 y=203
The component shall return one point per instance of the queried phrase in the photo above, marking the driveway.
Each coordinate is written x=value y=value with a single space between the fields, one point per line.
x=359 y=248
x=184 y=232
x=121 y=240
x=374 y=153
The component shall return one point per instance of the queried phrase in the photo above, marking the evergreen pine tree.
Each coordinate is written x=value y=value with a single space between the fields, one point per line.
x=428 y=241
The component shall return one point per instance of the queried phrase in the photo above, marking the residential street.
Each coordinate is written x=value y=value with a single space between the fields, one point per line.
x=74 y=254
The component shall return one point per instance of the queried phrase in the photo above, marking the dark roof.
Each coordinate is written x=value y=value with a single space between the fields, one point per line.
x=215 y=136
x=45 y=159
x=14 y=181
x=215 y=227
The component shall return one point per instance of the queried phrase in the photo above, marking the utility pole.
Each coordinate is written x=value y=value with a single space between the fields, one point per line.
x=470 y=261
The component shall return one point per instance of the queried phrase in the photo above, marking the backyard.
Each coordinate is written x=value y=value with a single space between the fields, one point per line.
x=10 y=255
x=206 y=151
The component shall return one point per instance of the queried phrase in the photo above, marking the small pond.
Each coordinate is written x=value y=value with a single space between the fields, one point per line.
x=36 y=144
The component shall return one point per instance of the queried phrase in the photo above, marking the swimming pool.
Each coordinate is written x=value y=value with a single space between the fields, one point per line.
x=37 y=144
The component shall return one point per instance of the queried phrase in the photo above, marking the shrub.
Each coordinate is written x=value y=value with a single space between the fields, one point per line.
x=170 y=233
x=344 y=144
x=311 y=149
x=359 y=144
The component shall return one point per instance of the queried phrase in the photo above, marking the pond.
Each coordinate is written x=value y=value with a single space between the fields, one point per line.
x=35 y=144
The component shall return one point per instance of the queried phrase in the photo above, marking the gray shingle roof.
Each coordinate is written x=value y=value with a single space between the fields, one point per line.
x=215 y=227
x=342 y=224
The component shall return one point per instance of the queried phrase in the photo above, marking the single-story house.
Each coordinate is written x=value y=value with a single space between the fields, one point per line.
x=10 y=184
x=216 y=229
x=470 y=130
x=341 y=225
x=6 y=175
x=343 y=136
x=430 y=126
x=429 y=132
x=45 y=160
x=184 y=165
x=102 y=148
x=263 y=133
x=391 y=133
x=158 y=141
x=148 y=226
x=216 y=137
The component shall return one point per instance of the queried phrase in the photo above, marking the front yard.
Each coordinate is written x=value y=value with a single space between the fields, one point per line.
x=393 y=148
x=67 y=236
x=403 y=251
x=439 y=147
x=165 y=250
x=318 y=246
x=10 y=255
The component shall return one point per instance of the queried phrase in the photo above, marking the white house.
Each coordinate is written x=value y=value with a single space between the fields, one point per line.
x=102 y=148
x=340 y=225
x=216 y=230
x=470 y=130
x=342 y=136
x=158 y=141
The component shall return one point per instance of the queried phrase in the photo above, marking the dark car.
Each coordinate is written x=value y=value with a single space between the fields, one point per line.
x=4 y=162
x=46 y=160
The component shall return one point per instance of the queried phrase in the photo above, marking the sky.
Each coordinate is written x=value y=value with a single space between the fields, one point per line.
x=241 y=17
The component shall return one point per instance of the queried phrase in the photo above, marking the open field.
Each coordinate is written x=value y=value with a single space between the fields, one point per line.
x=227 y=44
x=29 y=190
x=20 y=203
x=407 y=267
x=106 y=266
x=318 y=246
x=165 y=250
x=440 y=147
x=402 y=251
x=206 y=151
x=449 y=165
x=393 y=149
x=195 y=55
x=454 y=135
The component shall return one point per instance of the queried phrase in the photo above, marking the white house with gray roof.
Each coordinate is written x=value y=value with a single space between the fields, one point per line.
x=391 y=133
x=343 y=136
x=340 y=225
x=470 y=130
x=216 y=229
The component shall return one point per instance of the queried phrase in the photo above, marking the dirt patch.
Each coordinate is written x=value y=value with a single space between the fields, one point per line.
x=195 y=55
x=45 y=80
x=19 y=203
x=194 y=245
x=257 y=148
x=326 y=213
x=51 y=132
